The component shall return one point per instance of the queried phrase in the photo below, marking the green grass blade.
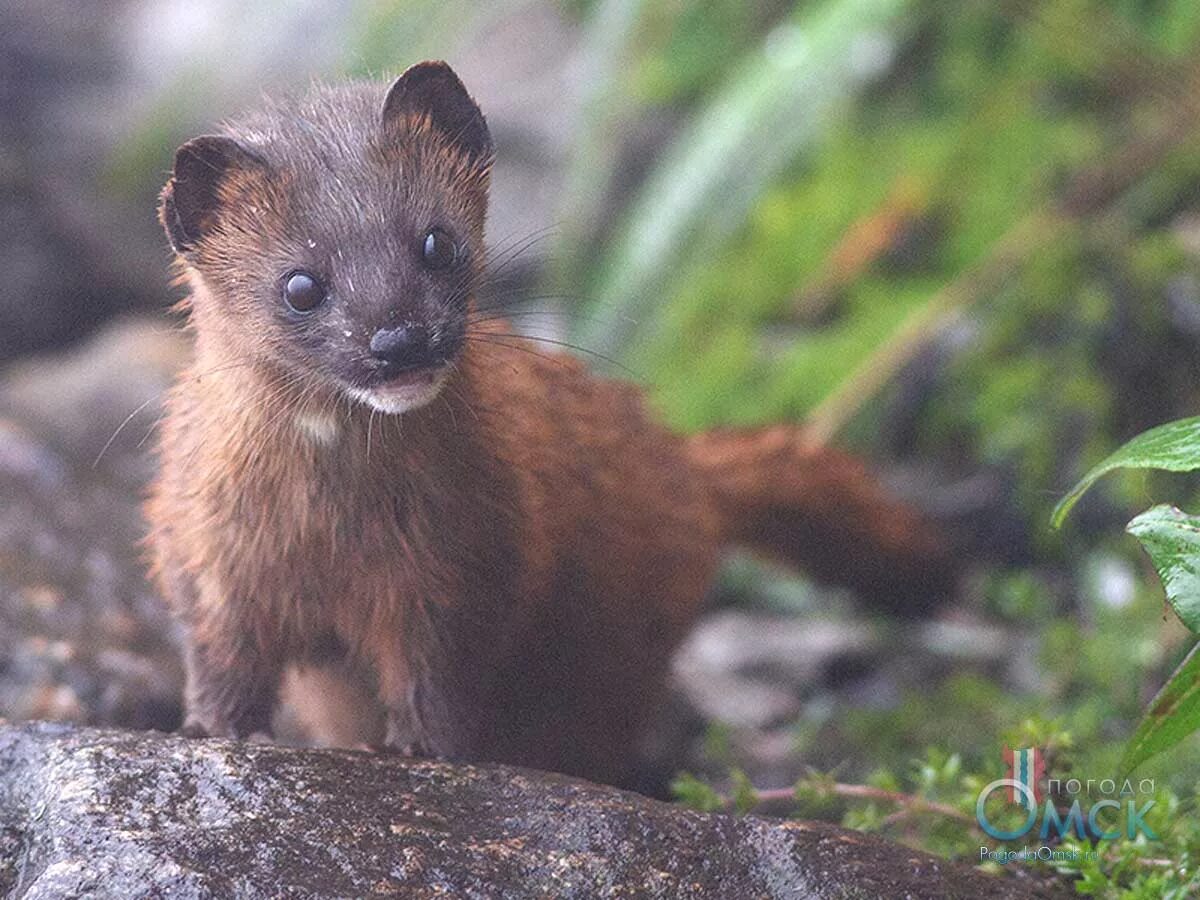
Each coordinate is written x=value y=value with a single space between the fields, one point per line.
x=1174 y=714
x=775 y=104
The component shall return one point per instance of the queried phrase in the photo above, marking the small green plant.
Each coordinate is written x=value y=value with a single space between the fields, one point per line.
x=1171 y=537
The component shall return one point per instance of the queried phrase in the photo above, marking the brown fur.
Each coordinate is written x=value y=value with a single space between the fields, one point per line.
x=498 y=575
x=515 y=560
x=818 y=508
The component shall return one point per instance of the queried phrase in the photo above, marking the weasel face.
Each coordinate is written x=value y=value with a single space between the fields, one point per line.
x=383 y=326
x=341 y=243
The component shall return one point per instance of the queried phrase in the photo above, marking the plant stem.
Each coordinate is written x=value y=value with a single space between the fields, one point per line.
x=909 y=802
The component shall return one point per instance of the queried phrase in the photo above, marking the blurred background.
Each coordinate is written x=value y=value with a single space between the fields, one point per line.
x=961 y=239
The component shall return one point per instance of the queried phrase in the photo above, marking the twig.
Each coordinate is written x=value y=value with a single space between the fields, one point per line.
x=909 y=802
x=868 y=238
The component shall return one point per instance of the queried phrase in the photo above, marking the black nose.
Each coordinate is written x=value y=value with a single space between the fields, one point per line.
x=406 y=347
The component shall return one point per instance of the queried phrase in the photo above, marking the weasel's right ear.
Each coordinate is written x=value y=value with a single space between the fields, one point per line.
x=191 y=201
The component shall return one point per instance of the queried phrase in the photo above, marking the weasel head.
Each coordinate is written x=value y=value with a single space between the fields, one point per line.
x=339 y=237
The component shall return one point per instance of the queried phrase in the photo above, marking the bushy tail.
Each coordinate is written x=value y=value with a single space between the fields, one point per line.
x=819 y=509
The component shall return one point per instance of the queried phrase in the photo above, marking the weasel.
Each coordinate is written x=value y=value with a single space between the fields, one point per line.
x=364 y=474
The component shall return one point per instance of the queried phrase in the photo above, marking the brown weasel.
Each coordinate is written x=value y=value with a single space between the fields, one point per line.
x=362 y=471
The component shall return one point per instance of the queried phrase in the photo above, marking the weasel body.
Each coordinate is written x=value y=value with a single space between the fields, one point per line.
x=363 y=473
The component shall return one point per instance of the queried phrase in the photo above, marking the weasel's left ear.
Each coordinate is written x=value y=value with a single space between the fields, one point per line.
x=432 y=88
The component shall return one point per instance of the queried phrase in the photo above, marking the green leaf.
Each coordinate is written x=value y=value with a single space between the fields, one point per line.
x=1172 y=538
x=1174 y=447
x=1174 y=714
x=691 y=791
x=745 y=797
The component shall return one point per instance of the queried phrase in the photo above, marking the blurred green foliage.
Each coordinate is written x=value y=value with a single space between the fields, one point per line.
x=1007 y=187
x=976 y=121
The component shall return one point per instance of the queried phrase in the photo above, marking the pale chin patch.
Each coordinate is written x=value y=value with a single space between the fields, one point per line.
x=406 y=393
x=320 y=428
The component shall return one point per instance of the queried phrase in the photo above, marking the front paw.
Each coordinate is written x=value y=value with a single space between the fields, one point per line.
x=414 y=750
x=410 y=749
x=193 y=729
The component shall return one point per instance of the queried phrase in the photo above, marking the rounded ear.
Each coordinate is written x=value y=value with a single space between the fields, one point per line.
x=431 y=88
x=191 y=200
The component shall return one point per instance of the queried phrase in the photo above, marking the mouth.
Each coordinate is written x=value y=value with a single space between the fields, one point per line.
x=405 y=391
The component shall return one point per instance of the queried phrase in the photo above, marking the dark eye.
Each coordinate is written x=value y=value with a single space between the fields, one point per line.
x=303 y=292
x=438 y=250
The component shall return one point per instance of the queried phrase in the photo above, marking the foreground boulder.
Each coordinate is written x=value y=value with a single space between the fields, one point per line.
x=97 y=813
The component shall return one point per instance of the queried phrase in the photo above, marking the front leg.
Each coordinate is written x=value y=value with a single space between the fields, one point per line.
x=430 y=712
x=232 y=689
x=231 y=686
x=404 y=735
x=403 y=732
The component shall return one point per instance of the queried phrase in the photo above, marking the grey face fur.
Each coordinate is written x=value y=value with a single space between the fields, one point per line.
x=378 y=196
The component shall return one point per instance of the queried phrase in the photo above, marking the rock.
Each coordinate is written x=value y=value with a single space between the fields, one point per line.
x=100 y=401
x=751 y=670
x=113 y=814
x=78 y=240
x=83 y=637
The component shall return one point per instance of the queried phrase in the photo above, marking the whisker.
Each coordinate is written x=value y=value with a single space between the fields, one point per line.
x=557 y=359
x=149 y=431
x=566 y=344
x=513 y=246
x=158 y=396
x=462 y=398
x=129 y=418
x=519 y=316
x=487 y=347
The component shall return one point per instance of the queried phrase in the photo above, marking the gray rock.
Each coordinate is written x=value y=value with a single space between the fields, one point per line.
x=78 y=240
x=82 y=635
x=113 y=814
x=752 y=670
